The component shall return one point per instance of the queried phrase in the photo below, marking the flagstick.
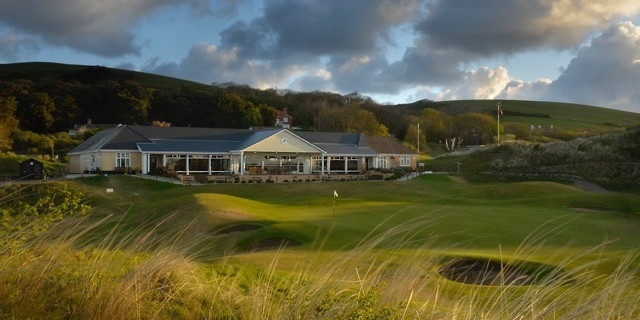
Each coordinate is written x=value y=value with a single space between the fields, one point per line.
x=335 y=195
x=333 y=213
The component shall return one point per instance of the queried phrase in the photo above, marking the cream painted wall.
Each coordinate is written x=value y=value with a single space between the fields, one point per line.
x=74 y=164
x=109 y=160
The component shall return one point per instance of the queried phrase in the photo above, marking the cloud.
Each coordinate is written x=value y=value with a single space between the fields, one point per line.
x=209 y=63
x=14 y=46
x=99 y=27
x=484 y=83
x=126 y=66
x=292 y=27
x=503 y=27
x=603 y=73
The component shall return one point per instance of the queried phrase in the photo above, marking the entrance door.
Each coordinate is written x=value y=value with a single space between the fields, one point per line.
x=153 y=164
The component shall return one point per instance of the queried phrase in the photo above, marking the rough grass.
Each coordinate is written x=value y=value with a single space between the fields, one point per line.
x=10 y=162
x=152 y=250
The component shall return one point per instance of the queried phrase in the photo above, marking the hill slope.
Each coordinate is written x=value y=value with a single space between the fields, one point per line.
x=565 y=115
x=98 y=93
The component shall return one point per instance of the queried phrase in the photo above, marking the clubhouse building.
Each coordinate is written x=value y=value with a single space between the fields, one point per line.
x=239 y=152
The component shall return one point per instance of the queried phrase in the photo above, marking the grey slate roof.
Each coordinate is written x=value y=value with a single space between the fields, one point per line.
x=338 y=143
x=216 y=140
x=180 y=146
x=96 y=141
x=256 y=137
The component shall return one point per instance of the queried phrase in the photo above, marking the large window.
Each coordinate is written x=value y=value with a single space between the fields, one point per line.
x=316 y=164
x=198 y=163
x=220 y=163
x=352 y=164
x=405 y=161
x=123 y=159
x=382 y=162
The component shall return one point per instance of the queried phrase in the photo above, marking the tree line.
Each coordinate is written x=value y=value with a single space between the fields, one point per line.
x=34 y=110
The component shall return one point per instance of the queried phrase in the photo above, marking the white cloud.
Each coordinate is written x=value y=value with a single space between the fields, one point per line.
x=483 y=83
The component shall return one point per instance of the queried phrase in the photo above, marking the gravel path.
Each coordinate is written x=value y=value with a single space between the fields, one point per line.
x=589 y=186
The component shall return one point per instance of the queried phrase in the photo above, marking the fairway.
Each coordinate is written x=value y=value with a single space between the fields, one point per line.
x=435 y=247
x=438 y=213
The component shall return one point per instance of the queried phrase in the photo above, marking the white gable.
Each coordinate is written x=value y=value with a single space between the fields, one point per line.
x=283 y=141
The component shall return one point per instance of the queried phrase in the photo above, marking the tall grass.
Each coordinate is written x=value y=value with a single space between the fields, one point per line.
x=66 y=272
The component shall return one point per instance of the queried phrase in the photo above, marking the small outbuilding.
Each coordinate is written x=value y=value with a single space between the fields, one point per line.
x=31 y=169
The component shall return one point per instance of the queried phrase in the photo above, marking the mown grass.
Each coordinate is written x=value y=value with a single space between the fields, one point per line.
x=150 y=250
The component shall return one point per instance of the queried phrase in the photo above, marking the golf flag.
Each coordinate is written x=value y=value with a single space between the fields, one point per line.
x=335 y=194
x=500 y=111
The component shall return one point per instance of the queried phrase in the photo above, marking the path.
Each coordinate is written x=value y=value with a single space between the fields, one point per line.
x=589 y=186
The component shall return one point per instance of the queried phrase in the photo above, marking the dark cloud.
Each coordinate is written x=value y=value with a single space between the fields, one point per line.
x=126 y=66
x=209 y=63
x=252 y=40
x=606 y=73
x=98 y=27
x=319 y=27
x=502 y=27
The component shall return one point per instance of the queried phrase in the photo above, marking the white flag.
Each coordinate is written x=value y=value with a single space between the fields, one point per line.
x=335 y=194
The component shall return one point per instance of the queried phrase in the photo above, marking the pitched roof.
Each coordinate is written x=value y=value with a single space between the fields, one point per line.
x=96 y=141
x=256 y=137
x=180 y=146
x=338 y=143
x=388 y=145
x=216 y=140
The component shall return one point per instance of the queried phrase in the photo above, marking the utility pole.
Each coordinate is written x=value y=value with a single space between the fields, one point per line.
x=499 y=113
x=418 y=144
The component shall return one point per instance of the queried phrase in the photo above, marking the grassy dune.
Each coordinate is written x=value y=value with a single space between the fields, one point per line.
x=155 y=250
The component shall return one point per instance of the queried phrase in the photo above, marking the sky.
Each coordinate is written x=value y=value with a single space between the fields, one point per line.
x=395 y=51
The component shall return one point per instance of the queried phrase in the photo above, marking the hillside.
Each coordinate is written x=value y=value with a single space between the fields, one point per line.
x=568 y=116
x=611 y=160
x=52 y=97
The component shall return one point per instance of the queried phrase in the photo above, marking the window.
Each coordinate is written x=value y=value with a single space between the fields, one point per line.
x=382 y=162
x=405 y=161
x=123 y=159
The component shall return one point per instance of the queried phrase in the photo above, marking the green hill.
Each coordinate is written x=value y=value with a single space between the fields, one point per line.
x=568 y=116
x=108 y=95
x=36 y=71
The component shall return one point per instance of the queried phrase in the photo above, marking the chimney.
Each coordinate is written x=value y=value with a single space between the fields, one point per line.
x=284 y=110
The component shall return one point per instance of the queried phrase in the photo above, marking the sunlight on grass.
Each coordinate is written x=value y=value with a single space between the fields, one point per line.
x=431 y=249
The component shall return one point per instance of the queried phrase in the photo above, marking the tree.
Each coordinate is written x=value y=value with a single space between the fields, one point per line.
x=411 y=137
x=518 y=129
x=8 y=121
x=475 y=128
x=36 y=112
x=435 y=124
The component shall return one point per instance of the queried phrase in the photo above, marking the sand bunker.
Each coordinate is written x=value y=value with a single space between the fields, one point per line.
x=491 y=272
x=273 y=243
x=239 y=228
